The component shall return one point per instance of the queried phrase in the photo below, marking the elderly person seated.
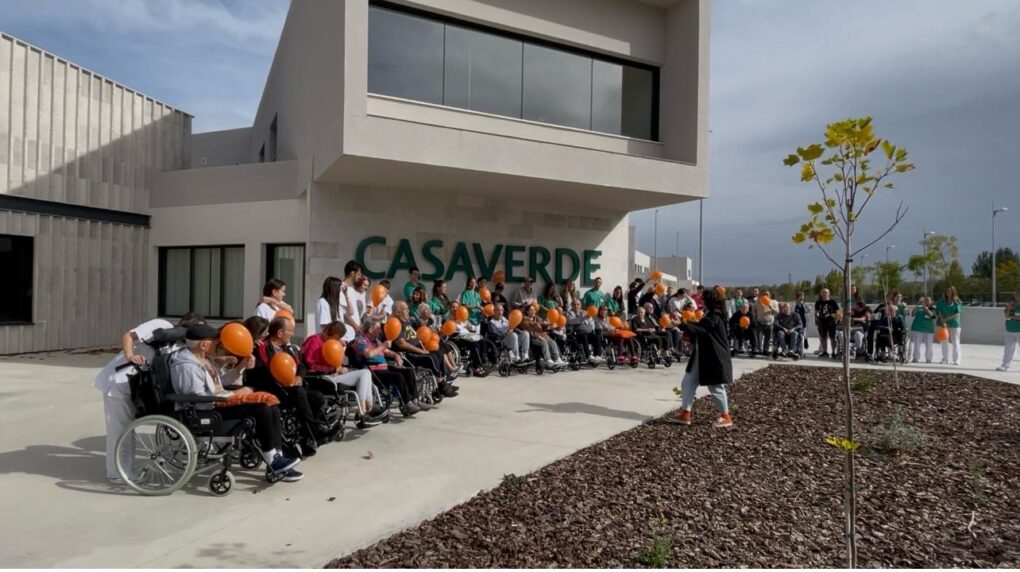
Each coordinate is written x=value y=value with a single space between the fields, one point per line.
x=647 y=329
x=536 y=328
x=359 y=379
x=583 y=326
x=788 y=330
x=739 y=335
x=516 y=341
x=468 y=337
x=416 y=354
x=371 y=351
x=193 y=373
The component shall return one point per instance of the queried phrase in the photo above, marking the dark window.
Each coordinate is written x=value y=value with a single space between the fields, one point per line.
x=426 y=57
x=287 y=262
x=405 y=56
x=262 y=153
x=272 y=140
x=16 y=258
x=208 y=280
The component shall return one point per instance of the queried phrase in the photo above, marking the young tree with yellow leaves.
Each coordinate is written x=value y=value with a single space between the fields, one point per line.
x=848 y=175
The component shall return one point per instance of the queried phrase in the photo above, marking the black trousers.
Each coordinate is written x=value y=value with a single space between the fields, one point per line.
x=400 y=377
x=307 y=403
x=739 y=335
x=584 y=339
x=268 y=427
x=657 y=340
x=432 y=361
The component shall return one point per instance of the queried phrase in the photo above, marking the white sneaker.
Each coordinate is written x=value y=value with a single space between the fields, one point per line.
x=956 y=363
x=525 y=357
x=549 y=363
x=513 y=357
x=1002 y=368
x=944 y=362
x=561 y=362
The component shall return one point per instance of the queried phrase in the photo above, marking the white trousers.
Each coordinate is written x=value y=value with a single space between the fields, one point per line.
x=119 y=414
x=954 y=340
x=1011 y=340
x=919 y=338
x=359 y=379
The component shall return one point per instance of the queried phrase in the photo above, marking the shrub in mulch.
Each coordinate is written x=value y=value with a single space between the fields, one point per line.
x=767 y=493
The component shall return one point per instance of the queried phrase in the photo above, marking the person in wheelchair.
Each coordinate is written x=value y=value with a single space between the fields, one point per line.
x=306 y=402
x=358 y=379
x=371 y=351
x=604 y=328
x=742 y=336
x=788 y=329
x=860 y=318
x=193 y=373
x=417 y=355
x=764 y=318
x=646 y=328
x=885 y=333
x=468 y=338
x=540 y=339
x=583 y=327
x=517 y=341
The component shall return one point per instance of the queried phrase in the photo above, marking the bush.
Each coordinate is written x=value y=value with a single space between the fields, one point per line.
x=657 y=554
x=896 y=437
x=864 y=383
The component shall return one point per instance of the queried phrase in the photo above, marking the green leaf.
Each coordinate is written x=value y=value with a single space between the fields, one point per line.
x=888 y=185
x=799 y=238
x=889 y=149
x=811 y=153
x=807 y=172
x=815 y=208
x=791 y=160
x=830 y=202
x=805 y=227
x=904 y=167
x=901 y=155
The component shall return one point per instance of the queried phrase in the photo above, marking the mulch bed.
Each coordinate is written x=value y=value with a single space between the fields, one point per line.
x=767 y=493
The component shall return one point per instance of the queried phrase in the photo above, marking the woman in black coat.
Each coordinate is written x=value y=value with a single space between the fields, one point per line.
x=710 y=363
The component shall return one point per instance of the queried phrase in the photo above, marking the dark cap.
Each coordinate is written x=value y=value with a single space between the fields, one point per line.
x=528 y=279
x=499 y=285
x=202 y=332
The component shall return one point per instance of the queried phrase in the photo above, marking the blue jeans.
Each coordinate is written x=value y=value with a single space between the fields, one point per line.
x=787 y=342
x=689 y=387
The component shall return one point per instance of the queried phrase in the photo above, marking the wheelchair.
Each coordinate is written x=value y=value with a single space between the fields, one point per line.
x=742 y=342
x=504 y=366
x=653 y=355
x=169 y=446
x=858 y=348
x=574 y=352
x=896 y=349
x=489 y=353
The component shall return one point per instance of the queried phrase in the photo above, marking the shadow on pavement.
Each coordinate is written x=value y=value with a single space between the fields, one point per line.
x=575 y=407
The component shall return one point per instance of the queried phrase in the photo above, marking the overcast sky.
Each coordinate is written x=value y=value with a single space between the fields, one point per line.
x=940 y=77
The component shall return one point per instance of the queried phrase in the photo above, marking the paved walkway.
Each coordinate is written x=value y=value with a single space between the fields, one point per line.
x=59 y=512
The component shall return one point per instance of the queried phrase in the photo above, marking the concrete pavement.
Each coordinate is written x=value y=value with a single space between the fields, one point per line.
x=61 y=513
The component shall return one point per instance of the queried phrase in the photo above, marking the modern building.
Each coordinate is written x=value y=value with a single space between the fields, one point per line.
x=459 y=136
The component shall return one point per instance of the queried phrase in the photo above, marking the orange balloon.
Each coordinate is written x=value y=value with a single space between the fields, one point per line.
x=687 y=315
x=625 y=326
x=484 y=294
x=488 y=310
x=535 y=306
x=499 y=276
x=592 y=311
x=942 y=334
x=284 y=369
x=236 y=339
x=393 y=328
x=660 y=289
x=553 y=315
x=462 y=314
x=378 y=294
x=655 y=275
x=333 y=352
x=433 y=344
x=515 y=318
x=765 y=300
x=284 y=314
x=720 y=291
x=699 y=315
x=745 y=322
x=664 y=321
x=449 y=328
x=424 y=335
x=562 y=322
x=616 y=322
x=627 y=334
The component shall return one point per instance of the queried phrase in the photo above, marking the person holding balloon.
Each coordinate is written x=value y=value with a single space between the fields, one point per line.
x=584 y=328
x=536 y=329
x=646 y=327
x=710 y=364
x=275 y=358
x=440 y=303
x=594 y=297
x=323 y=353
x=615 y=302
x=949 y=309
x=568 y=293
x=273 y=292
x=499 y=299
x=525 y=295
x=472 y=300
x=517 y=342
x=740 y=329
x=191 y=372
x=418 y=349
x=372 y=351
x=763 y=312
x=467 y=335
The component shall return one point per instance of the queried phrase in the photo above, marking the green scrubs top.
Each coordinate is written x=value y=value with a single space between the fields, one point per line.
x=473 y=301
x=593 y=297
x=946 y=309
x=922 y=322
x=409 y=289
x=612 y=307
x=1014 y=324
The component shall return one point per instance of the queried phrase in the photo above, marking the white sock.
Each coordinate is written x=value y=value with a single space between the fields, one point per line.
x=271 y=454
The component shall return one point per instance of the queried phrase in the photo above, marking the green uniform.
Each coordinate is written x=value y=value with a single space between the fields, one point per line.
x=922 y=322
x=1013 y=325
x=473 y=301
x=409 y=289
x=439 y=309
x=612 y=306
x=593 y=297
x=901 y=310
x=413 y=307
x=946 y=309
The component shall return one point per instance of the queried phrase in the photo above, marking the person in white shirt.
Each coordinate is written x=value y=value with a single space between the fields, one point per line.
x=524 y=295
x=386 y=306
x=347 y=301
x=517 y=342
x=272 y=299
x=327 y=307
x=112 y=382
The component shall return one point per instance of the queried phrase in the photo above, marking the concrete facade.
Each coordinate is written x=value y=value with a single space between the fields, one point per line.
x=327 y=164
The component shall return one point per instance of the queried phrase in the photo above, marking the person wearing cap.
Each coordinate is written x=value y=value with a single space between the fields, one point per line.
x=193 y=373
x=499 y=298
x=525 y=295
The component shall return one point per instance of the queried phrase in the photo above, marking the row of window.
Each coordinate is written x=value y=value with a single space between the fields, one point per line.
x=210 y=279
x=422 y=57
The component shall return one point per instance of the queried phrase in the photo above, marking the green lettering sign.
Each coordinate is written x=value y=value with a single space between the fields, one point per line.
x=460 y=262
x=359 y=255
x=575 y=262
x=487 y=268
x=590 y=266
x=403 y=259
x=431 y=258
x=538 y=258
x=510 y=262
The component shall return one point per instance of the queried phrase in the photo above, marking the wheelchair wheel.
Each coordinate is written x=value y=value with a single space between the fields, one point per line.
x=453 y=350
x=156 y=455
x=503 y=368
x=489 y=353
x=251 y=457
x=221 y=483
x=667 y=359
x=290 y=425
x=610 y=355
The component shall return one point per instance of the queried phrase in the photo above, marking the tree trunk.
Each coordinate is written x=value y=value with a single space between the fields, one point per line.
x=850 y=492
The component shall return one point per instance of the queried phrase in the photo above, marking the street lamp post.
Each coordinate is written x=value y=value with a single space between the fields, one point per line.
x=701 y=241
x=995 y=211
x=887 y=251
x=924 y=253
x=655 y=242
x=678 y=259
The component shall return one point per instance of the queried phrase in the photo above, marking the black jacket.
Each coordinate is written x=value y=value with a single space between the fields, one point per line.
x=711 y=349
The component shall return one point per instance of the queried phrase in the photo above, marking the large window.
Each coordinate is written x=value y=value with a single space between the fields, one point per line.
x=207 y=279
x=287 y=262
x=425 y=57
x=16 y=256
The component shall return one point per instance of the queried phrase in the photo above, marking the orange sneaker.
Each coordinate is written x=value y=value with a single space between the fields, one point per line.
x=682 y=417
x=724 y=421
